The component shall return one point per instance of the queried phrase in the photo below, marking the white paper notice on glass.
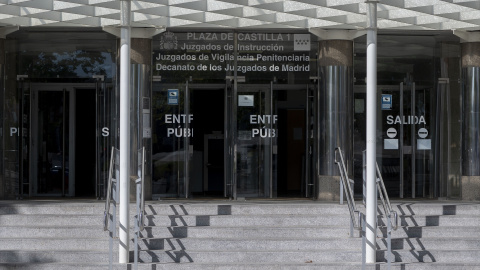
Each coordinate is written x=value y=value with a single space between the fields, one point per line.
x=245 y=100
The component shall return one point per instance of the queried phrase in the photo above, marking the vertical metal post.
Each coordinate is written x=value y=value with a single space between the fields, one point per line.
x=270 y=139
x=401 y=138
x=234 y=118
x=437 y=180
x=413 y=141
x=64 y=110
x=316 y=137
x=113 y=225
x=124 y=226
x=226 y=137
x=97 y=143
x=371 y=203
x=186 y=145
x=137 y=220
x=389 y=241
x=341 y=192
x=364 y=177
x=307 y=138
x=364 y=241
x=20 y=139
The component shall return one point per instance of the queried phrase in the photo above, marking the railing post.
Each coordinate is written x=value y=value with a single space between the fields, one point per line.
x=389 y=242
x=138 y=184
x=364 y=241
x=341 y=191
x=113 y=223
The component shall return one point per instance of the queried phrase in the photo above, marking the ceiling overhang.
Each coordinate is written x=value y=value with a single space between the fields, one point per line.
x=245 y=14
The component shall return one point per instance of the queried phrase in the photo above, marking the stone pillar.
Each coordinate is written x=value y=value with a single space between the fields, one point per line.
x=471 y=121
x=140 y=104
x=470 y=47
x=334 y=107
x=335 y=112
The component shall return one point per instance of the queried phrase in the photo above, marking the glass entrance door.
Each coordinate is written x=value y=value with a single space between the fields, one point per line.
x=407 y=158
x=172 y=131
x=273 y=141
x=51 y=142
x=189 y=141
x=106 y=124
x=72 y=131
x=256 y=141
x=212 y=141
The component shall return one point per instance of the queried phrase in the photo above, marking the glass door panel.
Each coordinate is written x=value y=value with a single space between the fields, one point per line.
x=423 y=137
x=228 y=141
x=256 y=133
x=23 y=133
x=406 y=145
x=272 y=156
x=52 y=142
x=106 y=139
x=172 y=131
x=292 y=167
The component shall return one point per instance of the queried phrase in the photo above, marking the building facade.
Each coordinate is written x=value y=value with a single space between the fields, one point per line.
x=239 y=112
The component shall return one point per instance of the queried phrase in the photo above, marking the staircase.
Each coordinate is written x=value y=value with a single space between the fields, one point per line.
x=225 y=235
x=52 y=235
x=288 y=235
x=433 y=236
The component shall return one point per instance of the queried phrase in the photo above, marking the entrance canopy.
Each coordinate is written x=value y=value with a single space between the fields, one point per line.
x=244 y=14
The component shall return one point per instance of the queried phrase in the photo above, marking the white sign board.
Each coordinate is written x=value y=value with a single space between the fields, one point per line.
x=245 y=100
x=390 y=144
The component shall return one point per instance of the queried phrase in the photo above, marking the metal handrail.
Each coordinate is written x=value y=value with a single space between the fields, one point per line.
x=387 y=207
x=389 y=214
x=142 y=198
x=106 y=213
x=347 y=189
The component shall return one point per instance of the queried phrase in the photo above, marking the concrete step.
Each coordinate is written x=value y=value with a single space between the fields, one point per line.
x=441 y=243
x=238 y=208
x=448 y=220
x=417 y=244
x=233 y=208
x=251 y=255
x=303 y=244
x=428 y=209
x=169 y=208
x=431 y=231
x=432 y=255
x=51 y=244
x=32 y=231
x=178 y=220
x=51 y=208
x=51 y=220
x=300 y=232
x=247 y=221
x=64 y=256
x=266 y=244
x=425 y=266
x=241 y=266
